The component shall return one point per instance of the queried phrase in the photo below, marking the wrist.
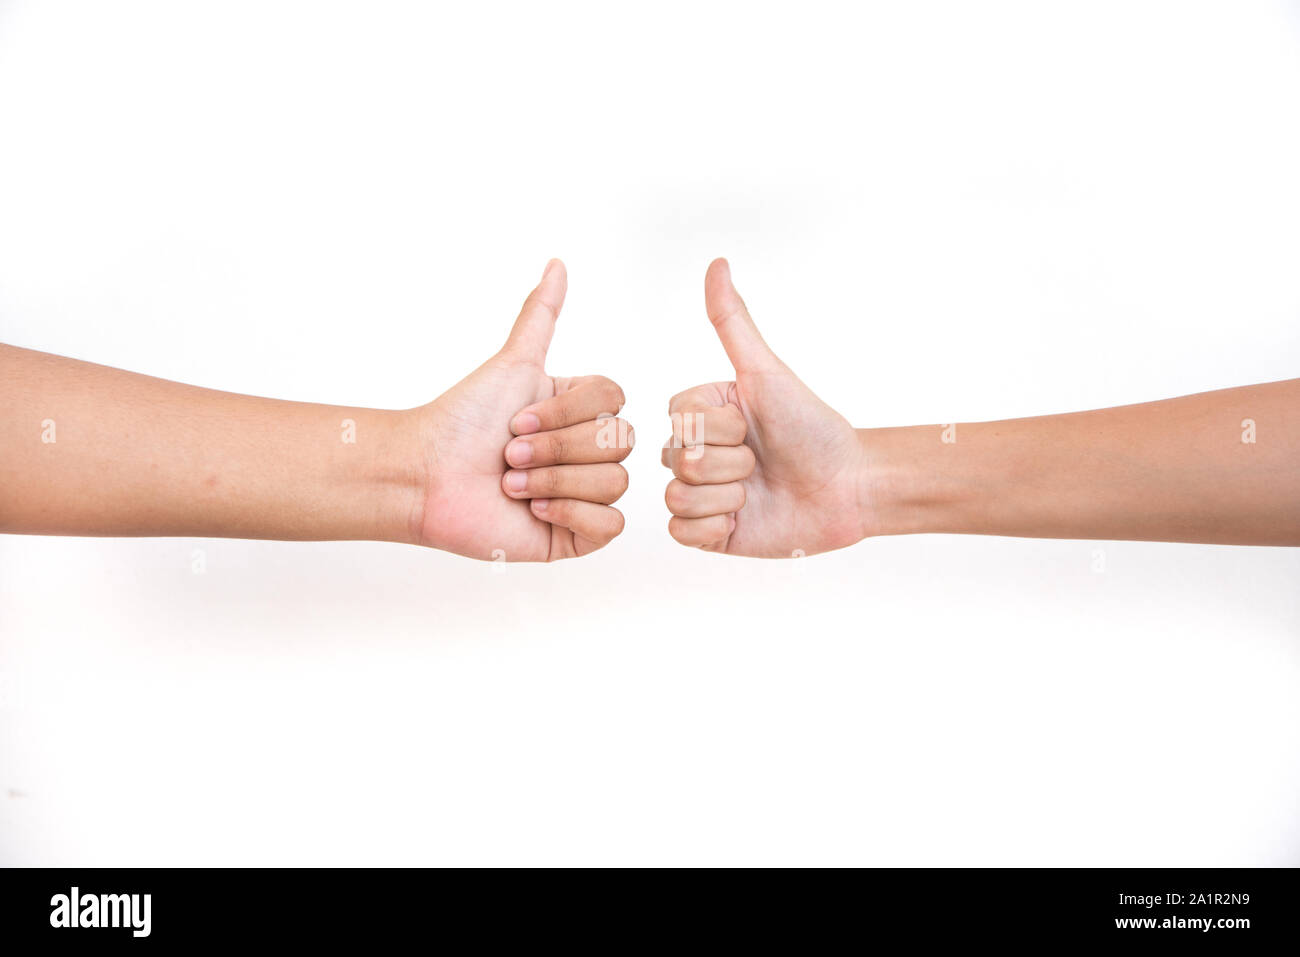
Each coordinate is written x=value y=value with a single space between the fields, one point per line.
x=388 y=476
x=912 y=481
x=407 y=476
x=340 y=473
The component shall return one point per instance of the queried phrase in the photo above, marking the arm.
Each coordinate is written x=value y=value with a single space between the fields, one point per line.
x=1220 y=467
x=764 y=468
x=89 y=450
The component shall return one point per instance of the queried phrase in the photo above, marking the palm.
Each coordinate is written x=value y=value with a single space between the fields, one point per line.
x=465 y=431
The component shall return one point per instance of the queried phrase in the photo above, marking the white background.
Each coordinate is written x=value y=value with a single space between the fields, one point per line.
x=936 y=213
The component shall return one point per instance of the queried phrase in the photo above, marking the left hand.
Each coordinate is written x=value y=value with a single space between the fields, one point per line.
x=762 y=466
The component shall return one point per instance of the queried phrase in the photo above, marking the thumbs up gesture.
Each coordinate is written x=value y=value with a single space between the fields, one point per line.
x=762 y=467
x=520 y=465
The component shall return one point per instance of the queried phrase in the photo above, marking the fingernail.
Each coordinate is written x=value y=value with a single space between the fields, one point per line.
x=539 y=504
x=516 y=481
x=526 y=423
x=549 y=266
x=519 y=453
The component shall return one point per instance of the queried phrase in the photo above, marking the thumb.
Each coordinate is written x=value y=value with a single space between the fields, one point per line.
x=531 y=335
x=745 y=347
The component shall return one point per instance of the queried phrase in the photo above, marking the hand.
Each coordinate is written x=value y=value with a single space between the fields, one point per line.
x=555 y=501
x=763 y=467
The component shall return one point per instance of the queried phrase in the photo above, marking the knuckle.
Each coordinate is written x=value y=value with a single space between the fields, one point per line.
x=727 y=315
x=737 y=419
x=611 y=393
x=550 y=481
x=557 y=447
x=689 y=469
x=748 y=461
x=535 y=301
x=676 y=530
x=562 y=414
x=675 y=496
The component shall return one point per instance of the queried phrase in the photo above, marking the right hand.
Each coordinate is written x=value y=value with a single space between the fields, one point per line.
x=520 y=465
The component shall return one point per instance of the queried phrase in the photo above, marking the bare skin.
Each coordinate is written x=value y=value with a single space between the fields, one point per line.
x=570 y=473
x=89 y=450
x=513 y=463
x=765 y=468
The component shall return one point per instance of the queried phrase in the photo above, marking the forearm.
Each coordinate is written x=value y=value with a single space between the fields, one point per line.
x=1174 y=470
x=90 y=450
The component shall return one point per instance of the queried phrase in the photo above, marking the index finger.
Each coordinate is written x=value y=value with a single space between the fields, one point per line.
x=586 y=398
x=723 y=426
x=710 y=396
